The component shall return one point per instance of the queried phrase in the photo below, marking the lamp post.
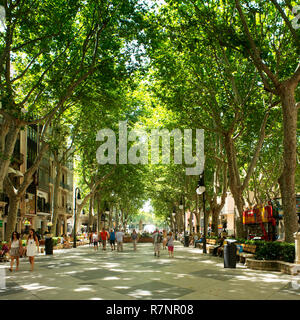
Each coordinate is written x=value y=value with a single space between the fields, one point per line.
x=201 y=190
x=74 y=228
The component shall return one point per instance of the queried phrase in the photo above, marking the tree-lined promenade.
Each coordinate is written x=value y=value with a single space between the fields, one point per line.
x=231 y=68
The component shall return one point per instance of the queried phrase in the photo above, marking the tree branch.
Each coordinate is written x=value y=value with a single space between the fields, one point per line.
x=255 y=52
x=257 y=150
x=287 y=21
x=27 y=67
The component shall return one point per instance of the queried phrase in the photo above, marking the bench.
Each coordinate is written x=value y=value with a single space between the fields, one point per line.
x=210 y=245
x=248 y=252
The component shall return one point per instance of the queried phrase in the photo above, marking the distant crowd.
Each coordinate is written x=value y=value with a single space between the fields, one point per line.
x=113 y=239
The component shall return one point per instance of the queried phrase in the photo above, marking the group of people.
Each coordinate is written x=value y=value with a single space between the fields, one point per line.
x=16 y=249
x=164 y=238
x=113 y=236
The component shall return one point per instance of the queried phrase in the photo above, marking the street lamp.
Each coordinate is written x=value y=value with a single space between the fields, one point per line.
x=201 y=190
x=74 y=228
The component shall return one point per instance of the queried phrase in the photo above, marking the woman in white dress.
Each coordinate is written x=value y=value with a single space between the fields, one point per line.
x=15 y=246
x=32 y=247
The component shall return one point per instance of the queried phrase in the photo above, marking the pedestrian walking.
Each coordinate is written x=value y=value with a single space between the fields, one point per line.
x=158 y=239
x=91 y=238
x=15 y=249
x=104 y=238
x=112 y=239
x=134 y=238
x=119 y=238
x=153 y=235
x=170 y=244
x=32 y=247
x=95 y=241
x=164 y=239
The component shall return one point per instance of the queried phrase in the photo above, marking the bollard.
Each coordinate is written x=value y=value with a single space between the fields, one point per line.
x=297 y=247
x=2 y=278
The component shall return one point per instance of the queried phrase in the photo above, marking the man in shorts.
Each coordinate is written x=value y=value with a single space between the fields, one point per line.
x=104 y=238
x=112 y=239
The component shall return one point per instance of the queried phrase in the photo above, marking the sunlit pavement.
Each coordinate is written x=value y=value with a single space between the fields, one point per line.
x=84 y=274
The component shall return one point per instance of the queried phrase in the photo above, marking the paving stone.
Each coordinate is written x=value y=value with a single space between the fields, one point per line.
x=84 y=274
x=95 y=274
x=155 y=290
x=10 y=288
x=217 y=275
x=60 y=264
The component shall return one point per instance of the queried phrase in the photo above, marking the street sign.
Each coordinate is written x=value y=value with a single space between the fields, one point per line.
x=1 y=223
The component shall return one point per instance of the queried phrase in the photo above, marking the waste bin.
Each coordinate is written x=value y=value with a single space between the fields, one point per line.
x=230 y=254
x=48 y=246
x=186 y=241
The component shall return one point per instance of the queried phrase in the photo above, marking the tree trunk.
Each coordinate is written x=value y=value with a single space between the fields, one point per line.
x=55 y=198
x=191 y=222
x=215 y=218
x=174 y=223
x=117 y=218
x=8 y=148
x=12 y=216
x=98 y=215
x=91 y=213
x=180 y=222
x=122 y=218
x=80 y=206
x=235 y=185
x=287 y=178
x=125 y=222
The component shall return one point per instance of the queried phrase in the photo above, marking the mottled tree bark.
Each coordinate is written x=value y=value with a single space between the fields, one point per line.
x=91 y=210
x=287 y=178
x=55 y=196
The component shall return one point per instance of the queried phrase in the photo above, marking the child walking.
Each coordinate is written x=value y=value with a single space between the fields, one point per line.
x=170 y=245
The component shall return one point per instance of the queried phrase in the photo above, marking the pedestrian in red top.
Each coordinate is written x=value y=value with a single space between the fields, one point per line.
x=104 y=238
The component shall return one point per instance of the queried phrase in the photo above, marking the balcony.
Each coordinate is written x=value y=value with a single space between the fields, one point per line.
x=43 y=206
x=66 y=186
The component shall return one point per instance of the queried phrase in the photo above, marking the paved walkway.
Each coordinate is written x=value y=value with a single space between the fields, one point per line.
x=84 y=274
